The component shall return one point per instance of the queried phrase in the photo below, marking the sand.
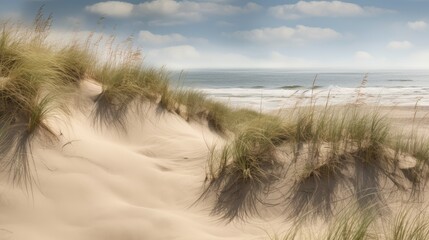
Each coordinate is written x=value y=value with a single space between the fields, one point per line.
x=103 y=183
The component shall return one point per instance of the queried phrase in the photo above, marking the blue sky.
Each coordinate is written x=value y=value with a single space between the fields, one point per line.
x=367 y=34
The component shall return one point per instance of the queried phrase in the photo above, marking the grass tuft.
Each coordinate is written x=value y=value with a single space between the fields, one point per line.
x=246 y=169
x=407 y=226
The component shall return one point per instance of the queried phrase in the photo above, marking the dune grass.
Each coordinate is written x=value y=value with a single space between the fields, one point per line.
x=354 y=224
x=321 y=151
x=409 y=226
x=29 y=72
x=246 y=168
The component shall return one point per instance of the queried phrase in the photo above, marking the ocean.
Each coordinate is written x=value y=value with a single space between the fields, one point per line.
x=272 y=89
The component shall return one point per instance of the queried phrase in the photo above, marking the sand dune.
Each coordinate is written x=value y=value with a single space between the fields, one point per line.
x=105 y=183
x=109 y=184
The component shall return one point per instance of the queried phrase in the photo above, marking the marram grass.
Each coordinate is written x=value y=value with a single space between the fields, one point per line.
x=246 y=168
x=354 y=224
x=317 y=152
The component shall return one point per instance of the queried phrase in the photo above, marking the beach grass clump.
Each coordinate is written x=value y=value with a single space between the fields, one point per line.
x=354 y=224
x=217 y=116
x=72 y=63
x=351 y=223
x=338 y=139
x=409 y=226
x=119 y=89
x=24 y=112
x=125 y=84
x=190 y=103
x=29 y=95
x=325 y=151
x=194 y=105
x=246 y=169
x=9 y=52
x=314 y=190
x=415 y=150
x=340 y=147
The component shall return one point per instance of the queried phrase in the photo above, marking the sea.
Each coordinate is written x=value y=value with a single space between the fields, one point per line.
x=273 y=89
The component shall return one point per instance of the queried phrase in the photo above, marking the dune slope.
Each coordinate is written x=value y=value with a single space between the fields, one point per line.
x=105 y=183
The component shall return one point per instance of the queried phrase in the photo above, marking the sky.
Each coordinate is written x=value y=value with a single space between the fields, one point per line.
x=186 y=34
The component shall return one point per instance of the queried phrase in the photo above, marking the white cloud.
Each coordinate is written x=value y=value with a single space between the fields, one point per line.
x=419 y=59
x=362 y=55
x=172 y=55
x=152 y=38
x=169 y=12
x=281 y=34
x=417 y=25
x=186 y=56
x=322 y=9
x=111 y=9
x=399 y=45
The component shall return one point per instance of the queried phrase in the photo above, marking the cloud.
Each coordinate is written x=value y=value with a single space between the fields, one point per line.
x=399 y=45
x=152 y=38
x=417 y=25
x=172 y=55
x=169 y=12
x=362 y=55
x=419 y=59
x=111 y=9
x=322 y=9
x=281 y=34
x=187 y=56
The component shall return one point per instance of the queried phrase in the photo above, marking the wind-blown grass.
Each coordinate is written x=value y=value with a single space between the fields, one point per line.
x=73 y=63
x=28 y=97
x=23 y=117
x=247 y=168
x=409 y=226
x=324 y=152
x=355 y=224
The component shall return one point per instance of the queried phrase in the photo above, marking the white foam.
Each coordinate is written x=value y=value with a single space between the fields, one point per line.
x=276 y=98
